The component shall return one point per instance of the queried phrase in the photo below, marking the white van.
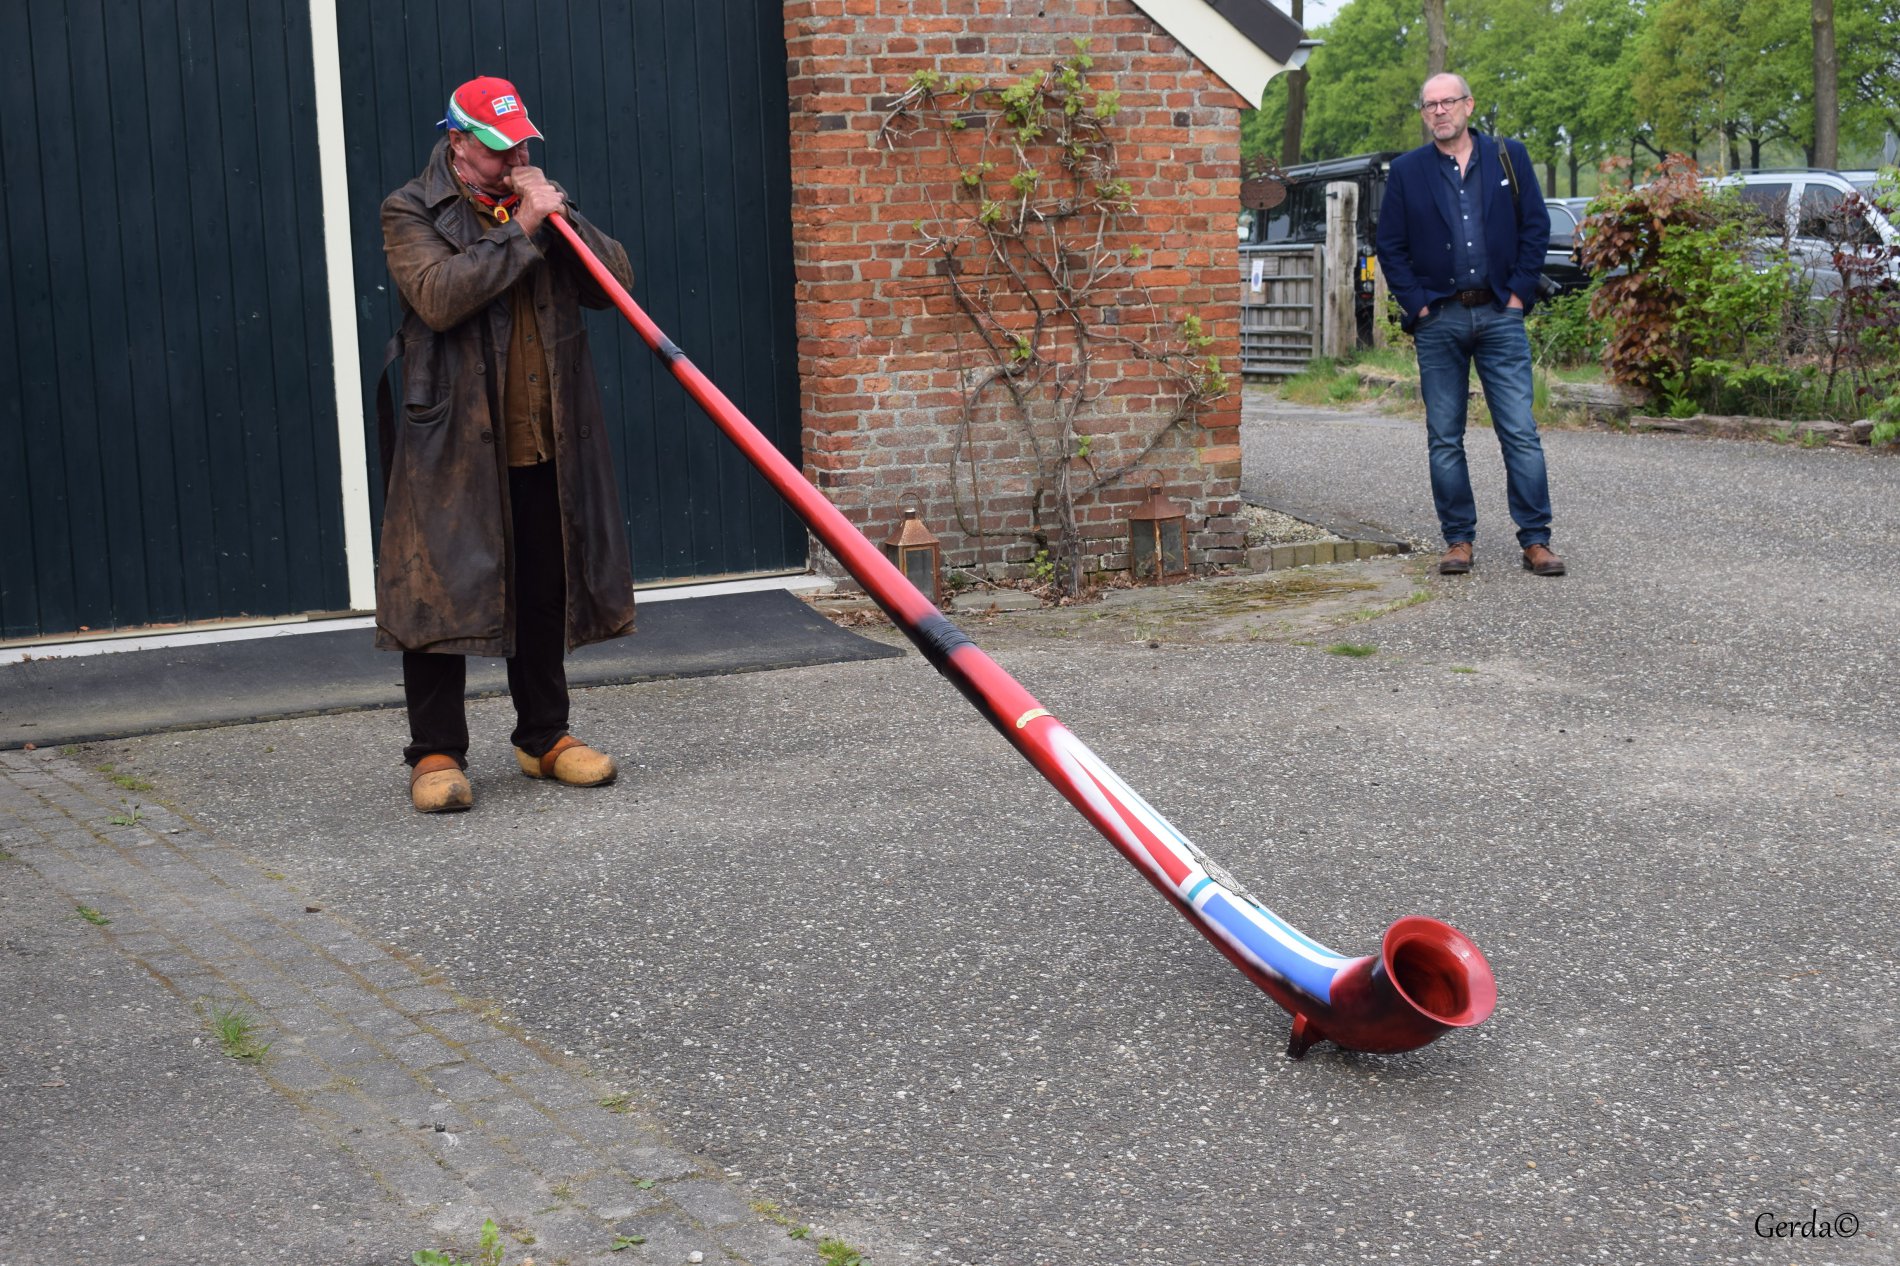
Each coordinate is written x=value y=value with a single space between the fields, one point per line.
x=1805 y=208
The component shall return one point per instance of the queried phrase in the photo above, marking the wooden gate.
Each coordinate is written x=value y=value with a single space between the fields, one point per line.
x=667 y=123
x=1280 y=308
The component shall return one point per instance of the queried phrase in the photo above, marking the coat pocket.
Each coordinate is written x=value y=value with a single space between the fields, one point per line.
x=427 y=391
x=427 y=414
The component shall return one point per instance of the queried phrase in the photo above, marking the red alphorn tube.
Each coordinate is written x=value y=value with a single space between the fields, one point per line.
x=1428 y=977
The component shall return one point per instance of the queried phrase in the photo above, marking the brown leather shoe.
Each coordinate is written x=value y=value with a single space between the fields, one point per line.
x=572 y=762
x=1455 y=561
x=1539 y=559
x=438 y=785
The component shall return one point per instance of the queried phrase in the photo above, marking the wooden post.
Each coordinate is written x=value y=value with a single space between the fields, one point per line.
x=1379 y=296
x=1338 y=324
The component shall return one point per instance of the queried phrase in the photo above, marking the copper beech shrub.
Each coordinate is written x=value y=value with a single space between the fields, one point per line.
x=1622 y=244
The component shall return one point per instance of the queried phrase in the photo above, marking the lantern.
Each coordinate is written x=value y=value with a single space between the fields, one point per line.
x=917 y=555
x=1157 y=539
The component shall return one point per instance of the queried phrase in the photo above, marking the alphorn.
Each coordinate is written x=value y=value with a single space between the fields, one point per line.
x=1427 y=978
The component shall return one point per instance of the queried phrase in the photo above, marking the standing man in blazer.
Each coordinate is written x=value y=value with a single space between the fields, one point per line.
x=1462 y=234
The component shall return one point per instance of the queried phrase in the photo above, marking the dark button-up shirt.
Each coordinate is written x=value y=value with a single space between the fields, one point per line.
x=1469 y=271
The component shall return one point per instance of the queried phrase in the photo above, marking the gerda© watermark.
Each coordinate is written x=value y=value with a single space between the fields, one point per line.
x=1773 y=1226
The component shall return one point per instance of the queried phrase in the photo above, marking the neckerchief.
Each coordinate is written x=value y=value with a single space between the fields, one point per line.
x=497 y=207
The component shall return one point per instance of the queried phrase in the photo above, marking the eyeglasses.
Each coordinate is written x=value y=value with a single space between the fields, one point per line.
x=1440 y=107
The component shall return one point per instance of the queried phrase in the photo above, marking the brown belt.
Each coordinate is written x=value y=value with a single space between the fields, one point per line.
x=1474 y=298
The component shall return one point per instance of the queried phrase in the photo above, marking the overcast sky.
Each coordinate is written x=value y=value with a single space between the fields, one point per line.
x=1314 y=13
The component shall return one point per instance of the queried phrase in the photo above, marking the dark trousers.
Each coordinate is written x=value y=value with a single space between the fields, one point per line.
x=434 y=685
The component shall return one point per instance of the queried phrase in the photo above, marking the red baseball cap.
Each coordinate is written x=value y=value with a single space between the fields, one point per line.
x=490 y=109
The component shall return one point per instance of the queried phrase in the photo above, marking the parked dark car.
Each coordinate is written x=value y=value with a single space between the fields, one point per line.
x=1560 y=259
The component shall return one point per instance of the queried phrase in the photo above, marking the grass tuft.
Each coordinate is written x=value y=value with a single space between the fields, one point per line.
x=236 y=1032
x=835 y=1252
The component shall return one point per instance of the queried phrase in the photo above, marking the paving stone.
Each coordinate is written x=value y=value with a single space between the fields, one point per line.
x=556 y=1090
x=466 y=1149
x=266 y=990
x=615 y=1198
x=393 y=1087
x=346 y=946
x=192 y=982
x=607 y=1129
x=509 y=1114
x=422 y=1051
x=421 y=1000
x=387 y=973
x=298 y=1072
x=418 y=1180
x=712 y=1203
x=351 y=1003
x=307 y=1019
x=670 y=1238
x=653 y=1161
x=558 y=1157
x=759 y=1243
x=253 y=924
x=515 y=1193
x=460 y=1026
x=467 y=1084
x=459 y=1224
x=339 y=1050
x=313 y=973
x=569 y=1232
x=347 y=1108
x=506 y=1055
x=378 y=1021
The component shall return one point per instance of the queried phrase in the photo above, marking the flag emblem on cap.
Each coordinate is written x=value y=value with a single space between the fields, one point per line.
x=490 y=109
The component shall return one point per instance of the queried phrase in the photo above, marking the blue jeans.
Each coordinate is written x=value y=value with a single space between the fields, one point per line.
x=1449 y=341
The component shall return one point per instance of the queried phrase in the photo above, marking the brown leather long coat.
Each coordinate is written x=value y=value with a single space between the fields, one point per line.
x=445 y=566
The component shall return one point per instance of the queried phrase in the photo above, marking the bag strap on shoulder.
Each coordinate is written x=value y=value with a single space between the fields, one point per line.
x=1510 y=173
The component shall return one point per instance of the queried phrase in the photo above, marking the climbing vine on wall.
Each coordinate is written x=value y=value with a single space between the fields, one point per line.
x=1035 y=235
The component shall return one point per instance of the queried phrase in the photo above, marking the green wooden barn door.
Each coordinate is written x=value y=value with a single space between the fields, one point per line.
x=667 y=123
x=168 y=443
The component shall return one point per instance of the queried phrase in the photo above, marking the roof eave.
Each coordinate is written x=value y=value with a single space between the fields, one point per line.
x=1244 y=42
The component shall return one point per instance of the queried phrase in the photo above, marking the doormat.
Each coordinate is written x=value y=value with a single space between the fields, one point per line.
x=86 y=698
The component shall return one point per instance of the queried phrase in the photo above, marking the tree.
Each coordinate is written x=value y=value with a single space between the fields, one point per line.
x=1827 y=100
x=1361 y=86
x=1734 y=70
x=1553 y=73
x=1295 y=103
x=1868 y=40
x=1581 y=72
x=1436 y=43
x=1523 y=90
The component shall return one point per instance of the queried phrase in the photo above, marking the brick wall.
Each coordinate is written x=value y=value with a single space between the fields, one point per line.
x=885 y=354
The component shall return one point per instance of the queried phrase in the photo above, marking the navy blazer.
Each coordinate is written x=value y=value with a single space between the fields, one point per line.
x=1416 y=218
